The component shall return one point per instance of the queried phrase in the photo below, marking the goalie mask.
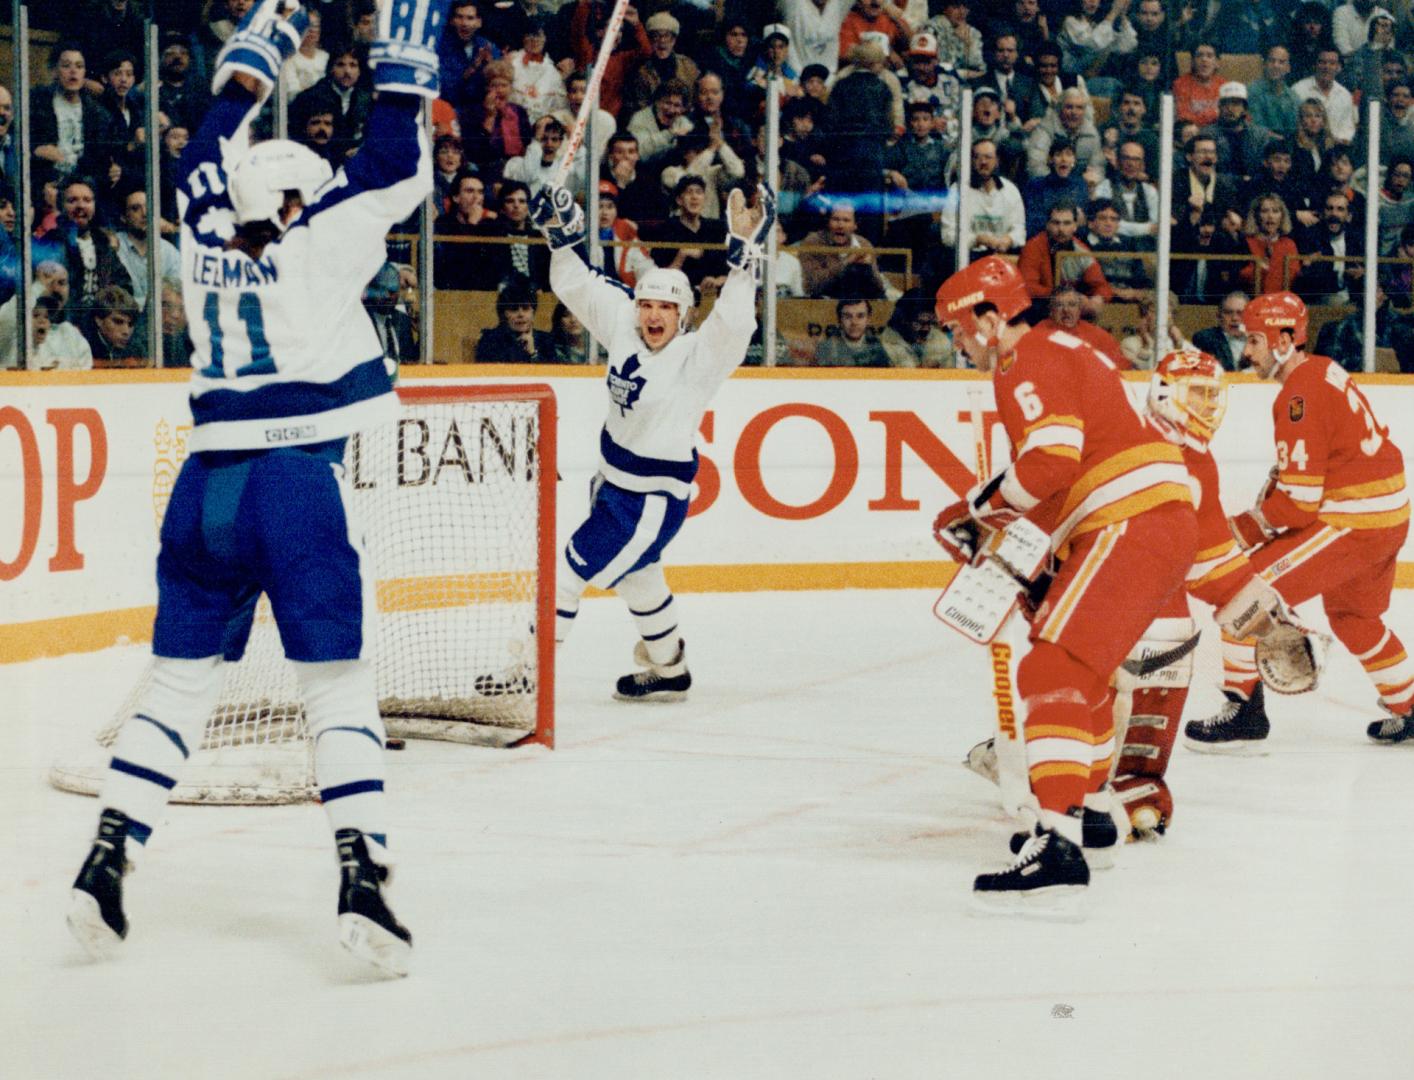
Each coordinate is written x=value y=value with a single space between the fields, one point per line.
x=259 y=181
x=992 y=281
x=1187 y=391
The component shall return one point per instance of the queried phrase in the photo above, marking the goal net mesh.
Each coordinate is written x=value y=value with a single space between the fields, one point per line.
x=452 y=502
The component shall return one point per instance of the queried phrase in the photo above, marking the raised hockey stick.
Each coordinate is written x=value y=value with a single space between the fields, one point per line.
x=591 y=94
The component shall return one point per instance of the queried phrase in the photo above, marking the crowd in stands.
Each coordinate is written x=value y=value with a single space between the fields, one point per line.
x=1271 y=187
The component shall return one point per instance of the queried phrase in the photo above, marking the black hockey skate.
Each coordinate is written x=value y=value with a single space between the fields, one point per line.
x=512 y=683
x=1392 y=730
x=1047 y=881
x=96 y=916
x=367 y=928
x=656 y=682
x=1240 y=727
x=1099 y=838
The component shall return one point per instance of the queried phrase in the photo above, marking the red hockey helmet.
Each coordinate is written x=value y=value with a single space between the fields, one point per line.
x=1271 y=313
x=993 y=281
x=1188 y=391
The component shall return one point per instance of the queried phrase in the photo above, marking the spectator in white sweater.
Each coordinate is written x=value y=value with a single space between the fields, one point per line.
x=996 y=215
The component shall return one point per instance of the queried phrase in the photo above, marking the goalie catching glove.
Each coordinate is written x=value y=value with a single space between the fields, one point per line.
x=1289 y=656
x=557 y=216
x=268 y=36
x=960 y=527
x=404 y=53
x=749 y=226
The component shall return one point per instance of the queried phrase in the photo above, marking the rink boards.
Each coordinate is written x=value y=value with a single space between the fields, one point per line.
x=813 y=479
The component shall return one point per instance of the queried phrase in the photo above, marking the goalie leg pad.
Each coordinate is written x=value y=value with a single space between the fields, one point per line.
x=1153 y=729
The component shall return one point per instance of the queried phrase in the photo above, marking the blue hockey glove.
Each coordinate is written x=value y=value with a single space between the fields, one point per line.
x=268 y=35
x=404 y=54
x=749 y=226
x=557 y=216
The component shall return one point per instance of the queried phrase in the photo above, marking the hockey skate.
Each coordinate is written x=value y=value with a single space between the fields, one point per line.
x=1047 y=881
x=367 y=928
x=1240 y=727
x=96 y=916
x=1100 y=839
x=1392 y=729
x=656 y=682
x=514 y=681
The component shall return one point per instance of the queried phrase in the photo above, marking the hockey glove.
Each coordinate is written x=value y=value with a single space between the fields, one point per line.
x=404 y=53
x=1250 y=529
x=557 y=216
x=268 y=35
x=749 y=226
x=988 y=505
x=956 y=532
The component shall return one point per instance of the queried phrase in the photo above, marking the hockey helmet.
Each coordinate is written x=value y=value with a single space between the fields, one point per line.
x=1271 y=313
x=993 y=281
x=663 y=283
x=258 y=181
x=1188 y=391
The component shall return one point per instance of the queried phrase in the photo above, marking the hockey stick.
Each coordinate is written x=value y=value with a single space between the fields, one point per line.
x=1159 y=661
x=591 y=94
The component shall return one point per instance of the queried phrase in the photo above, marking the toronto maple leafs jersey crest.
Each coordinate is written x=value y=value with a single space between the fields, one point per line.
x=656 y=399
x=283 y=351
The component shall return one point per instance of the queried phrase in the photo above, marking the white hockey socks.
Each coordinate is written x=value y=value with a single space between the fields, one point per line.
x=168 y=723
x=341 y=708
x=569 y=587
x=654 y=612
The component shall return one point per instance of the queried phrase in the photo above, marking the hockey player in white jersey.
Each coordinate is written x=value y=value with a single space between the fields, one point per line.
x=662 y=375
x=276 y=251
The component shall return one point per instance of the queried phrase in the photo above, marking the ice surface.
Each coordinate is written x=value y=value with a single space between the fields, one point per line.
x=769 y=880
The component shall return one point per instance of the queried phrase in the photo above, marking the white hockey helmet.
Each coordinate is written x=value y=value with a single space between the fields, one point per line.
x=662 y=283
x=258 y=181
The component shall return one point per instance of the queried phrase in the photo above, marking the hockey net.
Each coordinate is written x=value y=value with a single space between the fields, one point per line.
x=457 y=499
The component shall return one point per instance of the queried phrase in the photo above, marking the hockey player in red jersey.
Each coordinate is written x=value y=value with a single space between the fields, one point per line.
x=1115 y=497
x=1329 y=523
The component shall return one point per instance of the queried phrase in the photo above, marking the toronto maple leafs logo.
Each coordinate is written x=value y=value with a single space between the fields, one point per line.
x=625 y=384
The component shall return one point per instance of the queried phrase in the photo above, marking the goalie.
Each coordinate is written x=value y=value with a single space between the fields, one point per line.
x=1187 y=401
x=662 y=375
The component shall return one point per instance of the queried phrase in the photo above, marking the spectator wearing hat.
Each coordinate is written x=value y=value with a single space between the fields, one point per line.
x=705 y=267
x=618 y=263
x=959 y=42
x=663 y=65
x=536 y=84
x=514 y=339
x=1062 y=182
x=659 y=126
x=1363 y=69
x=1322 y=86
x=815 y=83
x=462 y=53
x=1241 y=144
x=847 y=267
x=1071 y=122
x=876 y=17
x=774 y=62
x=1013 y=85
x=929 y=84
x=1270 y=100
x=815 y=27
x=1195 y=95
